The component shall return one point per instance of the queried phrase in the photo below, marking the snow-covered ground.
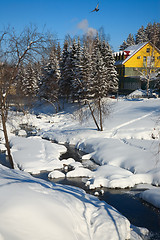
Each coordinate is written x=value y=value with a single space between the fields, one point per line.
x=127 y=152
x=37 y=210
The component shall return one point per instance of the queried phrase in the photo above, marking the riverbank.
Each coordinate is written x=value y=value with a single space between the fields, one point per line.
x=126 y=150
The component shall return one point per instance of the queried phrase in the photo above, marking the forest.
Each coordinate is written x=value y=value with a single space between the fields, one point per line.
x=78 y=70
x=150 y=33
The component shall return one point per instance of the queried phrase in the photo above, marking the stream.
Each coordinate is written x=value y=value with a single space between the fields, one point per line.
x=126 y=201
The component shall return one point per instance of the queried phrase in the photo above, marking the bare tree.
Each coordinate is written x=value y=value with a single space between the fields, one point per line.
x=16 y=49
x=150 y=68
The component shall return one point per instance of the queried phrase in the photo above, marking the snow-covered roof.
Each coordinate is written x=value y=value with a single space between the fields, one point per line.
x=136 y=47
x=133 y=50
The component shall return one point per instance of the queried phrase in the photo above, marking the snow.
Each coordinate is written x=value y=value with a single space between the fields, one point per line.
x=22 y=133
x=79 y=172
x=127 y=149
x=2 y=147
x=35 y=154
x=139 y=93
x=35 y=209
x=152 y=196
x=134 y=49
x=56 y=174
x=127 y=154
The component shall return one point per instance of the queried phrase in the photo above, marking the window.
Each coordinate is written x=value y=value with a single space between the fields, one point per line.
x=144 y=59
x=139 y=57
x=148 y=50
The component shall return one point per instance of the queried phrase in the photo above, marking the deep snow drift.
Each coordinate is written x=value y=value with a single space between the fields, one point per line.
x=38 y=210
x=127 y=149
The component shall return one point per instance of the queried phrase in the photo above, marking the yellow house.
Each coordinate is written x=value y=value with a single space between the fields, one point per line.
x=135 y=64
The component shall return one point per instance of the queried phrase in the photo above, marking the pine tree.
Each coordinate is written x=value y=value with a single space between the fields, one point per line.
x=110 y=67
x=123 y=46
x=141 y=36
x=148 y=31
x=58 y=52
x=130 y=40
x=76 y=68
x=98 y=87
x=155 y=34
x=65 y=83
x=31 y=81
x=86 y=70
x=49 y=88
x=20 y=81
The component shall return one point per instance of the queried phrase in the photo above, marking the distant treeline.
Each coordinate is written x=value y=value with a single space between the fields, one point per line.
x=150 y=33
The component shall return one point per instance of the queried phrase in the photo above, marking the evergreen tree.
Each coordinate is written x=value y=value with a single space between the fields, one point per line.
x=130 y=40
x=99 y=84
x=86 y=70
x=58 y=52
x=65 y=83
x=148 y=31
x=123 y=46
x=75 y=69
x=110 y=67
x=20 y=81
x=31 y=81
x=141 y=36
x=155 y=34
x=78 y=68
x=49 y=88
x=27 y=81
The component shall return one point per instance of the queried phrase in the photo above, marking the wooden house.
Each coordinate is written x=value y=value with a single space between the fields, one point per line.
x=134 y=63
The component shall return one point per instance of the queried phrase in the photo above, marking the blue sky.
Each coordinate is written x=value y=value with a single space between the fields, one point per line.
x=118 y=18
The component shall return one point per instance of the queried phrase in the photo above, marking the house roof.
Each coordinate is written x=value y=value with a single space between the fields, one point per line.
x=133 y=50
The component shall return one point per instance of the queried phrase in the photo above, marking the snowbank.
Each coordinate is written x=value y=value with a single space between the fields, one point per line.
x=127 y=149
x=152 y=196
x=35 y=154
x=35 y=209
x=119 y=170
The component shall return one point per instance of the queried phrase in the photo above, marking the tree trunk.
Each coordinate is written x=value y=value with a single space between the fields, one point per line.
x=6 y=138
x=100 y=115
x=92 y=113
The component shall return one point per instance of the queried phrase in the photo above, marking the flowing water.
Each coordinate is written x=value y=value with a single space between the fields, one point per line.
x=126 y=201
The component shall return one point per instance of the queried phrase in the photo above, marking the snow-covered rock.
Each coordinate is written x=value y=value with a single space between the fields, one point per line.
x=22 y=133
x=152 y=196
x=80 y=172
x=35 y=154
x=56 y=174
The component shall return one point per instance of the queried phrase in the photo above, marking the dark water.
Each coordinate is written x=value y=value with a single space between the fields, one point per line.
x=3 y=159
x=127 y=201
x=136 y=210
